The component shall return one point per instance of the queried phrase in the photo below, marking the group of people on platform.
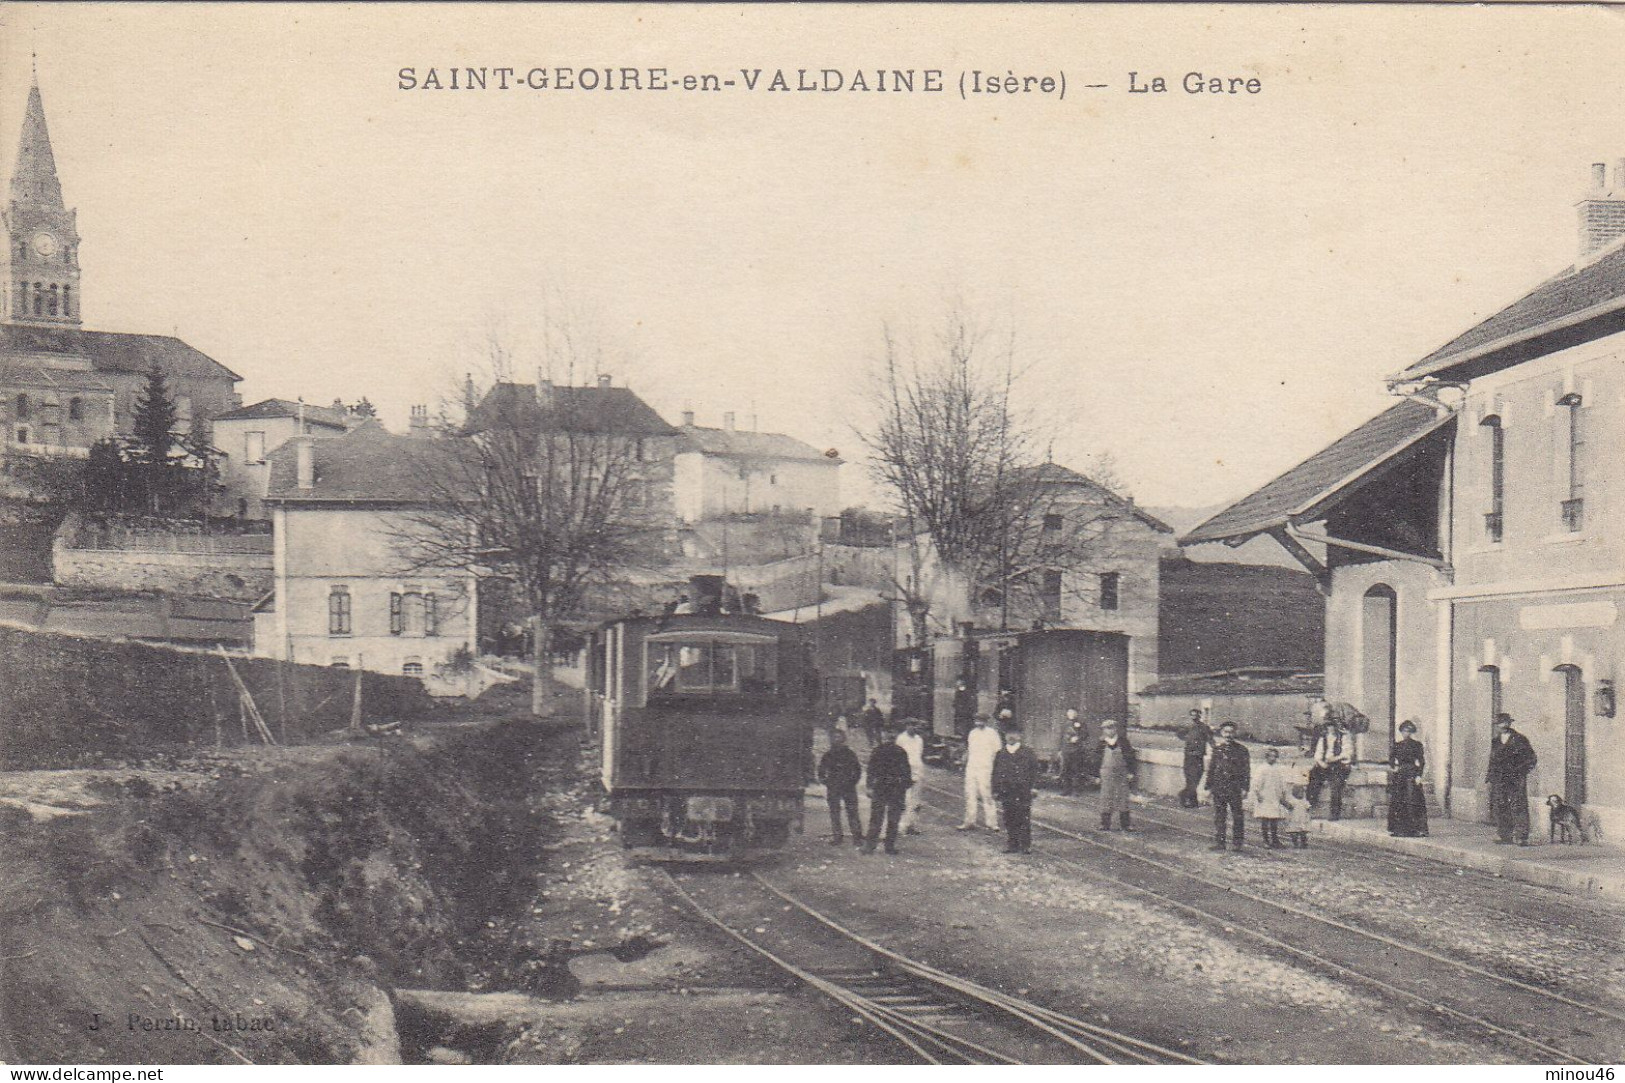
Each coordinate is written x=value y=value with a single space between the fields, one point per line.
x=1002 y=773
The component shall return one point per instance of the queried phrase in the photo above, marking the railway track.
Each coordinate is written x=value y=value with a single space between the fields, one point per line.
x=1456 y=990
x=940 y=1018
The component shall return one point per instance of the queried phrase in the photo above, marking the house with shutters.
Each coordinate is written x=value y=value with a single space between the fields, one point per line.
x=1470 y=539
x=344 y=593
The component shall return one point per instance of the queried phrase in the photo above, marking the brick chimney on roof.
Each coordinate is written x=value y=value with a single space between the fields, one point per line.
x=1602 y=208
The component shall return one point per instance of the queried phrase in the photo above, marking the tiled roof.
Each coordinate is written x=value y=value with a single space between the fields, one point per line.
x=111 y=351
x=750 y=444
x=1598 y=284
x=613 y=410
x=275 y=408
x=1322 y=474
x=366 y=465
x=1056 y=474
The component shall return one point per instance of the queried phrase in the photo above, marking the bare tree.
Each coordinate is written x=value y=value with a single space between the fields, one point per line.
x=543 y=491
x=963 y=462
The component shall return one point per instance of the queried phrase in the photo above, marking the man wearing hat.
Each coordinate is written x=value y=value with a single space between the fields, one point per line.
x=889 y=780
x=1198 y=738
x=1074 y=753
x=1015 y=778
x=1511 y=760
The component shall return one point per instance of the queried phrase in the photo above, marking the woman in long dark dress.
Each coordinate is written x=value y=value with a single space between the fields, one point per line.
x=1407 y=804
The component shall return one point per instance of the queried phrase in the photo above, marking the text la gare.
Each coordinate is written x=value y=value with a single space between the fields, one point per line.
x=1195 y=82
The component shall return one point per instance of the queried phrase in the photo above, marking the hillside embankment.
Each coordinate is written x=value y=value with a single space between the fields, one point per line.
x=263 y=904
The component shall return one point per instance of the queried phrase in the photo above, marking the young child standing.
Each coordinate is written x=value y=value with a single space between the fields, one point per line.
x=1270 y=792
x=1297 y=818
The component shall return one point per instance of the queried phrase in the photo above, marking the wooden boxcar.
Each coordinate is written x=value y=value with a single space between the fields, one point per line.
x=1037 y=675
x=705 y=731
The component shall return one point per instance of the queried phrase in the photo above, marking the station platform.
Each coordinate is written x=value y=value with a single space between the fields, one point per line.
x=1588 y=869
x=1595 y=868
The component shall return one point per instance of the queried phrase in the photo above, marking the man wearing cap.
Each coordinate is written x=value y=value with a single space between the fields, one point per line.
x=1229 y=777
x=889 y=780
x=982 y=745
x=1198 y=739
x=840 y=772
x=1015 y=778
x=1511 y=760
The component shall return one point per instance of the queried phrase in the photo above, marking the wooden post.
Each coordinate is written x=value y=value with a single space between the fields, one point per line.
x=355 y=704
x=281 y=702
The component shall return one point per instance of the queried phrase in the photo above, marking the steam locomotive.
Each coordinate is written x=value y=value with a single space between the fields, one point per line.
x=705 y=724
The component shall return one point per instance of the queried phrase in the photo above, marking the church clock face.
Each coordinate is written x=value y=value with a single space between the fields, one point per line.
x=45 y=244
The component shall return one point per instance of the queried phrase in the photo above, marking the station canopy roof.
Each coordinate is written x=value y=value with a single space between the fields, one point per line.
x=1309 y=489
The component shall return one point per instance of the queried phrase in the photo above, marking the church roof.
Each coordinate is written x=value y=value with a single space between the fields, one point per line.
x=753 y=445
x=21 y=372
x=113 y=351
x=34 y=180
x=274 y=408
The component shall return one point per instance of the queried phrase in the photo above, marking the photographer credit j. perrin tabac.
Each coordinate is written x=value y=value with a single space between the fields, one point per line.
x=607 y=534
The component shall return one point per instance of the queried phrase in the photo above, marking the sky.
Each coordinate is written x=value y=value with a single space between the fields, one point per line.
x=1208 y=287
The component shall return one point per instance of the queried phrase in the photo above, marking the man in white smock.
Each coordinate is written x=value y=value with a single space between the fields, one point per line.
x=981 y=745
x=912 y=742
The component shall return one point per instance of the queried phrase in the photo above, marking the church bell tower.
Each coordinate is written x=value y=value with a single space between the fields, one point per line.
x=41 y=266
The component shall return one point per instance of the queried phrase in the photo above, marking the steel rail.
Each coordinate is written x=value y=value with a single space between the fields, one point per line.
x=1292 y=949
x=1046 y=1019
x=909 y=1032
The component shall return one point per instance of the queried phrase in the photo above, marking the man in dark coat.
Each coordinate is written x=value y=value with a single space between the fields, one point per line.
x=889 y=780
x=1015 y=782
x=873 y=719
x=1074 y=753
x=1198 y=739
x=840 y=772
x=1511 y=760
x=1229 y=778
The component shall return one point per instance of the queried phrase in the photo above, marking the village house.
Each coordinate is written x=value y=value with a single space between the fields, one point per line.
x=1095 y=567
x=734 y=471
x=63 y=388
x=347 y=589
x=1471 y=539
x=247 y=436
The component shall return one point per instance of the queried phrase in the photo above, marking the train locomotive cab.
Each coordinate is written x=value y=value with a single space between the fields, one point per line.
x=705 y=725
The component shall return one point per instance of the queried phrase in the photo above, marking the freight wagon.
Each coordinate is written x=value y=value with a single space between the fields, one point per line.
x=1037 y=676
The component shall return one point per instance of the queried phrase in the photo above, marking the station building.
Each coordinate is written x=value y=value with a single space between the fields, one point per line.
x=1470 y=539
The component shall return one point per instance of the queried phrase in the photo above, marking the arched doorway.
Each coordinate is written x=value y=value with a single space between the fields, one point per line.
x=1574 y=735
x=1379 y=625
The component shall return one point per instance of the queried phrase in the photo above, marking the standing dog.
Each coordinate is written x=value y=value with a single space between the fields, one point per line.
x=1565 y=820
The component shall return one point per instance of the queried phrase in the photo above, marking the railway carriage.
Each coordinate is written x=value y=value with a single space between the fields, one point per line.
x=705 y=729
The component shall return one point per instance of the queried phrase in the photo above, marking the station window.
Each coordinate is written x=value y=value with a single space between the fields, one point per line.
x=1052 y=523
x=1494 y=518
x=76 y=409
x=1573 y=504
